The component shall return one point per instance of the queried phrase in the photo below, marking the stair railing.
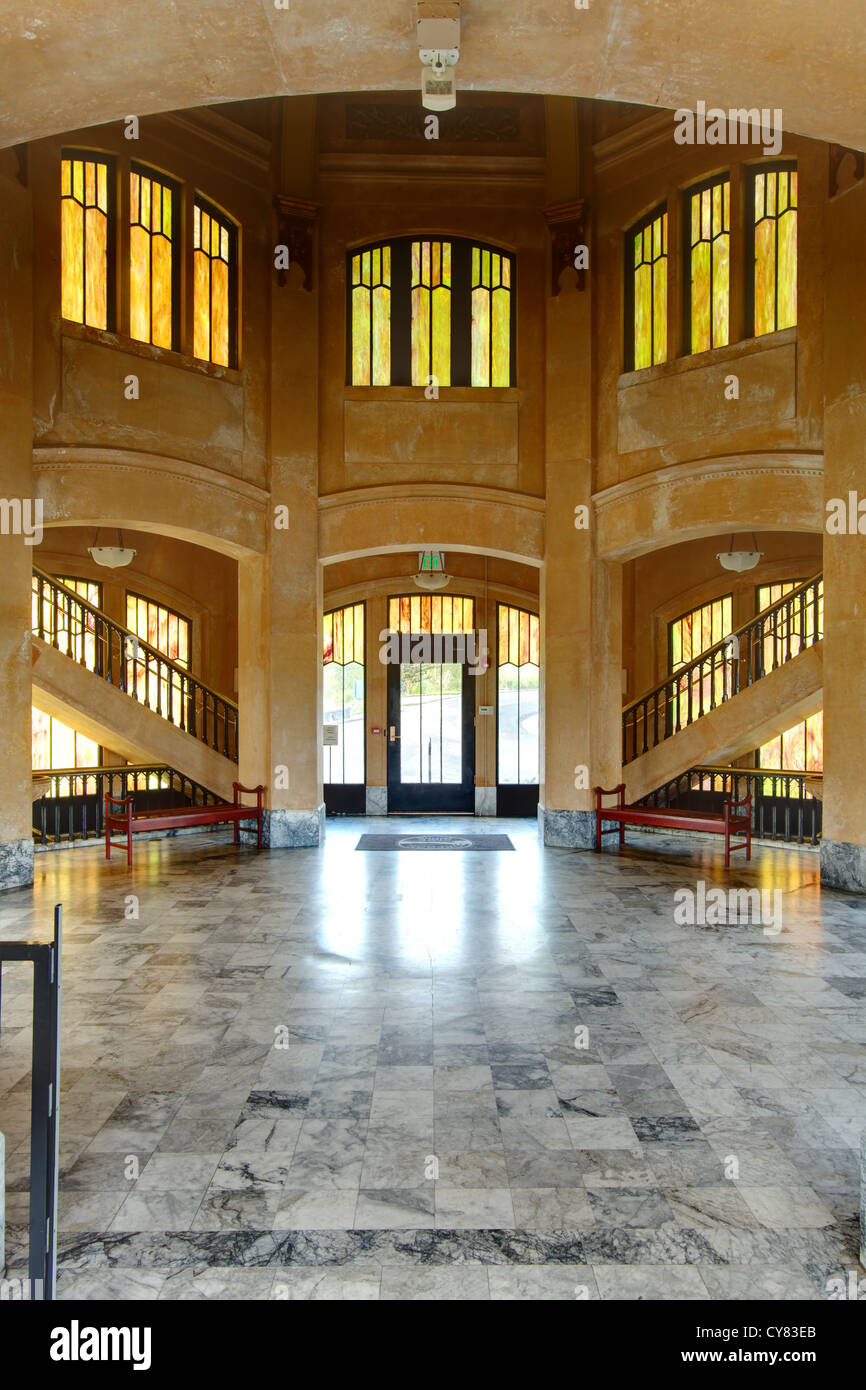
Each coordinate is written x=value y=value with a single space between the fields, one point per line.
x=69 y=802
x=769 y=640
x=85 y=634
x=786 y=805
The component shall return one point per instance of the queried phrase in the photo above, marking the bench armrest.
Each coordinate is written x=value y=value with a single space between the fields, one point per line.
x=617 y=791
x=240 y=790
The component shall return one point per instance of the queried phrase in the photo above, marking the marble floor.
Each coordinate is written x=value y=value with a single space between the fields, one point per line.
x=329 y=1074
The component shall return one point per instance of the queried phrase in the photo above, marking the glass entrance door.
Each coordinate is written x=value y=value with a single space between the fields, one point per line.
x=431 y=737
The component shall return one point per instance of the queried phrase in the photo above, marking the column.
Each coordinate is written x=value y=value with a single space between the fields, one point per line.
x=17 y=516
x=843 y=844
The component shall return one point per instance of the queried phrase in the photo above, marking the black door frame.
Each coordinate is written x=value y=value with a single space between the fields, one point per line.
x=436 y=798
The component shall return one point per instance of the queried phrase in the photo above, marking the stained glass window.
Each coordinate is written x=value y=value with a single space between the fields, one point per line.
x=426 y=307
x=773 y=231
x=792 y=627
x=491 y=318
x=62 y=623
x=57 y=745
x=170 y=634
x=214 y=280
x=86 y=238
x=647 y=292
x=371 y=317
x=343 y=693
x=431 y=312
x=799 y=749
x=689 y=635
x=153 y=264
x=517 y=696
x=708 y=284
x=431 y=613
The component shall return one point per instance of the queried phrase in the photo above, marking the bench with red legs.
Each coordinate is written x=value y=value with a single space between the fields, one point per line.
x=735 y=818
x=120 y=817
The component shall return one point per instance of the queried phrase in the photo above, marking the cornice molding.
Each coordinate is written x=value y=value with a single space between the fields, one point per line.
x=430 y=492
x=641 y=138
x=799 y=465
x=224 y=135
x=55 y=459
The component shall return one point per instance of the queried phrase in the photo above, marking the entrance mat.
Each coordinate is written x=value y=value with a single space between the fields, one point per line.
x=465 y=842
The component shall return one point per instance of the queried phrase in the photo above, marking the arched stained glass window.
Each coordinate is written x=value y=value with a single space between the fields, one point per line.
x=423 y=307
x=371 y=317
x=646 y=284
x=343 y=694
x=772 y=229
x=431 y=312
x=214 y=285
x=87 y=235
x=517 y=661
x=708 y=281
x=153 y=262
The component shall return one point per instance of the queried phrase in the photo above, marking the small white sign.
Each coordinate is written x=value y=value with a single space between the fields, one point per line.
x=330 y=735
x=485 y=709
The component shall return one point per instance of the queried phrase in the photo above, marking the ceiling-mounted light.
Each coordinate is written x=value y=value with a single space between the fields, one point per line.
x=431 y=574
x=740 y=560
x=113 y=557
x=439 y=50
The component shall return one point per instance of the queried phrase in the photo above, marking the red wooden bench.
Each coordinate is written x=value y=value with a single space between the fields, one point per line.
x=730 y=820
x=174 y=817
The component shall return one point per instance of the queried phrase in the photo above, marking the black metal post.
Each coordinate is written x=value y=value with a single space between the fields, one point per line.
x=44 y=1104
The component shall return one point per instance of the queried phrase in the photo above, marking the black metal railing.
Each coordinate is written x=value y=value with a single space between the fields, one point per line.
x=88 y=636
x=773 y=637
x=44 y=1104
x=785 y=805
x=69 y=803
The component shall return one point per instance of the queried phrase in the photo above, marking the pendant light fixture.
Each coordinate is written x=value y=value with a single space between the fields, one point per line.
x=740 y=560
x=113 y=557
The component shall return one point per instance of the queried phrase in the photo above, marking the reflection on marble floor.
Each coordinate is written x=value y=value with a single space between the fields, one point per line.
x=319 y=1074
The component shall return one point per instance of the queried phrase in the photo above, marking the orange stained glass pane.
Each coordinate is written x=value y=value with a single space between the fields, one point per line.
x=420 y=335
x=348 y=634
x=524 y=638
x=162 y=287
x=406 y=614
x=338 y=636
x=502 y=644
x=643 y=317
x=328 y=638
x=220 y=313
x=139 y=281
x=359 y=633
x=162 y=629
x=787 y=261
x=72 y=256
x=426 y=613
x=201 y=326
x=381 y=309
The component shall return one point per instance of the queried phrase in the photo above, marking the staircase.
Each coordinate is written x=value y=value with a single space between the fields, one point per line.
x=732 y=698
x=98 y=676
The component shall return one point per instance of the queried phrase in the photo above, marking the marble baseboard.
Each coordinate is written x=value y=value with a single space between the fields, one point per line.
x=2 y=1206
x=863 y=1198
x=566 y=829
x=377 y=801
x=485 y=801
x=16 y=863
x=294 y=829
x=843 y=866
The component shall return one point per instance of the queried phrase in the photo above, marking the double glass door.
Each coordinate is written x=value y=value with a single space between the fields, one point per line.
x=431 y=737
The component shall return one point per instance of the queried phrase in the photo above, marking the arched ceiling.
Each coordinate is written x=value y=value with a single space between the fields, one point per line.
x=77 y=63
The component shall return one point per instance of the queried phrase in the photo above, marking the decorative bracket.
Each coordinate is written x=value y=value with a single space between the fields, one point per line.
x=846 y=168
x=566 y=225
x=295 y=219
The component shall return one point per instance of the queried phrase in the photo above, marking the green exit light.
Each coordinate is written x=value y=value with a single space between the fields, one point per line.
x=432 y=561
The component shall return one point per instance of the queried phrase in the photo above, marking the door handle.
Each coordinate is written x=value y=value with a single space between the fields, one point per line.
x=392 y=733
